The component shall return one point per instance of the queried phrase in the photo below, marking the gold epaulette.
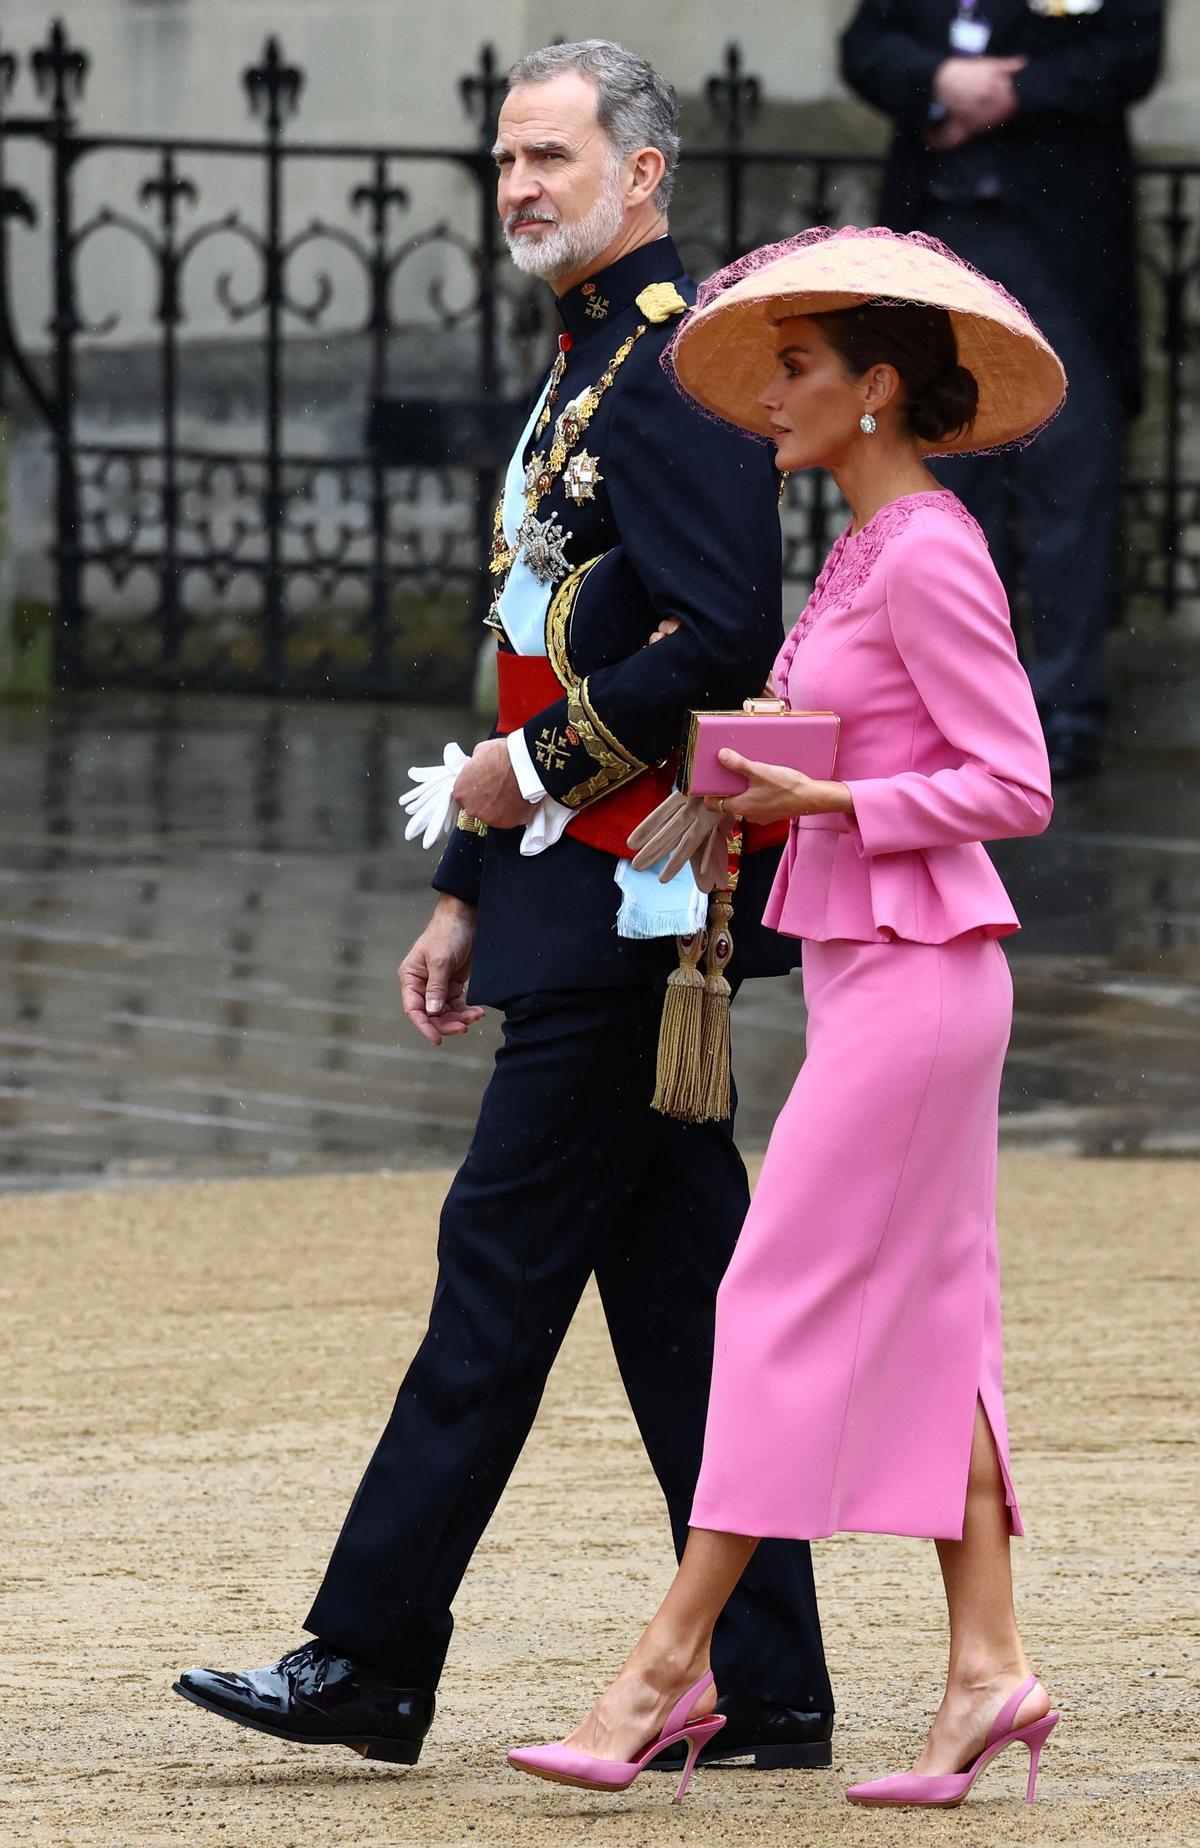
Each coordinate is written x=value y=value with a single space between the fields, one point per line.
x=660 y=302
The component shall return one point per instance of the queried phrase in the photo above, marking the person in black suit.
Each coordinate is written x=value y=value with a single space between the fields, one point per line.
x=632 y=516
x=1011 y=147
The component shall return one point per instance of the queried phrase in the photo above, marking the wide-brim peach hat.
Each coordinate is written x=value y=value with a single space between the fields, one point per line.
x=724 y=353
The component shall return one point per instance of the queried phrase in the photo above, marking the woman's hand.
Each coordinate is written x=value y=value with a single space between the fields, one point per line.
x=775 y=794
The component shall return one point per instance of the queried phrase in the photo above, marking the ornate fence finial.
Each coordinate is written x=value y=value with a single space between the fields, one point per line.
x=734 y=98
x=171 y=190
x=15 y=204
x=60 y=71
x=380 y=199
x=482 y=94
x=273 y=85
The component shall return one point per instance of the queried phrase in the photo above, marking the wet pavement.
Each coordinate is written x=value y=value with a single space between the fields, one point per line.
x=205 y=901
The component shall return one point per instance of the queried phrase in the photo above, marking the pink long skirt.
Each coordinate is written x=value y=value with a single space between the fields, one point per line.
x=858 y=1324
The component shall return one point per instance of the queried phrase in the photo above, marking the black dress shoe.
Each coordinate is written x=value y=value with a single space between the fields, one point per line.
x=778 y=1738
x=314 y=1697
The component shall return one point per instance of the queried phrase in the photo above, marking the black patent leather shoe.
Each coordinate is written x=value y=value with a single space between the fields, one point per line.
x=778 y=1738
x=314 y=1697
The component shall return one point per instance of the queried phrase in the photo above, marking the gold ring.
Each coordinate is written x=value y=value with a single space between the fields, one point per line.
x=720 y=805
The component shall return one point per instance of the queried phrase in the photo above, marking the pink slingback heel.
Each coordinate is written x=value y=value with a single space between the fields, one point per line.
x=947 y=1791
x=562 y=1764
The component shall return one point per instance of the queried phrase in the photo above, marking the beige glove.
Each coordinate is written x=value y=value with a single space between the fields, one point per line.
x=683 y=828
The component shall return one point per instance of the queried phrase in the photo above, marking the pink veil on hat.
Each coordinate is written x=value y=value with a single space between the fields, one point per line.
x=978 y=299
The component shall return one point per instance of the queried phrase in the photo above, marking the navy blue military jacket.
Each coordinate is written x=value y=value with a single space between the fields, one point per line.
x=1062 y=163
x=682 y=521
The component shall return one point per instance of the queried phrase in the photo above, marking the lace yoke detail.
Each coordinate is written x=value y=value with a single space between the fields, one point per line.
x=854 y=557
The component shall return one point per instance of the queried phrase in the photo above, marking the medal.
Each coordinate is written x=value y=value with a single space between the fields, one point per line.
x=581 y=476
x=542 y=544
x=537 y=481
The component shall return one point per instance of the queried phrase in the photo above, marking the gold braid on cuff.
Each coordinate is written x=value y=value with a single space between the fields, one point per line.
x=616 y=764
x=558 y=624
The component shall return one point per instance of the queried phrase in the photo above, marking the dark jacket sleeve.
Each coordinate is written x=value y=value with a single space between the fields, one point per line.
x=1106 y=62
x=886 y=65
x=460 y=869
x=696 y=507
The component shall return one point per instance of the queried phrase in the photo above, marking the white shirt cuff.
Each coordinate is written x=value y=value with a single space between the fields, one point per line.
x=528 y=781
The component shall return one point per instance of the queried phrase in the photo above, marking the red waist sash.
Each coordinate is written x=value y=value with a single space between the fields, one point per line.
x=527 y=685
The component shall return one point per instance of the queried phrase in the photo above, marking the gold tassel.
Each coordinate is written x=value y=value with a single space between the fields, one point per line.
x=680 y=1087
x=714 y=1013
x=694 y=1081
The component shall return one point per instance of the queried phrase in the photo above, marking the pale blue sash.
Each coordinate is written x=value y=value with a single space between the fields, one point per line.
x=523 y=602
x=647 y=909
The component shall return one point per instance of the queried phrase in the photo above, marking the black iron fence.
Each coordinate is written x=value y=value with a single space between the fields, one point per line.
x=251 y=549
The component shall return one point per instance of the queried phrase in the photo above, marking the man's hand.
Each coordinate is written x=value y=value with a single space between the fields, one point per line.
x=487 y=787
x=979 y=94
x=433 y=976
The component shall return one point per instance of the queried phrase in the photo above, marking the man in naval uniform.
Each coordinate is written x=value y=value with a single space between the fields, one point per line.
x=626 y=513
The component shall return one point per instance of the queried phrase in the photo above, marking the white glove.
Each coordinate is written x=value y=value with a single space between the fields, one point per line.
x=430 y=801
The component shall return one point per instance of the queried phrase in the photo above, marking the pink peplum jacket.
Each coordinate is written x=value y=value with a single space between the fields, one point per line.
x=907 y=636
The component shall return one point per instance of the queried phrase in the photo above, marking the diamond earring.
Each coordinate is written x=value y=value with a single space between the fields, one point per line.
x=866 y=424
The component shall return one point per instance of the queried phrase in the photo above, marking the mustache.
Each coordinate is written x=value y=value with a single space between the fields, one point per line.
x=528 y=218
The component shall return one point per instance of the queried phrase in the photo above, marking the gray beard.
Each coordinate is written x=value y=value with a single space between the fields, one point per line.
x=570 y=247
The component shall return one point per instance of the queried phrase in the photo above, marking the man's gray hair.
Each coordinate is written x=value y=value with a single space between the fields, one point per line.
x=635 y=107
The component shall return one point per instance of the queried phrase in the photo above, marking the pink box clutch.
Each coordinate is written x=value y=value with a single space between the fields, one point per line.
x=765 y=731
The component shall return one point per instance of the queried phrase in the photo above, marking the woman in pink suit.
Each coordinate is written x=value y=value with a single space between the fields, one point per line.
x=857 y=1375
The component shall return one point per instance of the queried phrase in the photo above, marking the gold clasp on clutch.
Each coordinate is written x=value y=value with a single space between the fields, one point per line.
x=764 y=705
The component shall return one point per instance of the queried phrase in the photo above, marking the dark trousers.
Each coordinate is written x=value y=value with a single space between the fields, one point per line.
x=569 y=1173
x=1061 y=493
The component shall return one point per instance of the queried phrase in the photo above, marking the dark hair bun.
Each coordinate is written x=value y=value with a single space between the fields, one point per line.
x=945 y=407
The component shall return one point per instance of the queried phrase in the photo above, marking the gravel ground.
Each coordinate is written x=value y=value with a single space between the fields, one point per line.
x=193 y=1378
